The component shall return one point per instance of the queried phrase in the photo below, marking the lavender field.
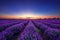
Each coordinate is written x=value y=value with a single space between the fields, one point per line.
x=43 y=29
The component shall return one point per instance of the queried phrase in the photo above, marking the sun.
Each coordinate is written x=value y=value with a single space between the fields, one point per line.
x=29 y=16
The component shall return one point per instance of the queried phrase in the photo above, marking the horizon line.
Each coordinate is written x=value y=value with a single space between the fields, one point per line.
x=19 y=17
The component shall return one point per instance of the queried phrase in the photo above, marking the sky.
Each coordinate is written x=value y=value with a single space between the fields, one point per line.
x=36 y=7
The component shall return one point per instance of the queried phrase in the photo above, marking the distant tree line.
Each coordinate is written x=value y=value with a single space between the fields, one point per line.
x=51 y=18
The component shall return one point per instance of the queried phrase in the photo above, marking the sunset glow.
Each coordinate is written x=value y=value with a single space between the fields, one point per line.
x=26 y=16
x=29 y=16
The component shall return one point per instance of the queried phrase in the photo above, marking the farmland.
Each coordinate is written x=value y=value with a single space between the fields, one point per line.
x=21 y=29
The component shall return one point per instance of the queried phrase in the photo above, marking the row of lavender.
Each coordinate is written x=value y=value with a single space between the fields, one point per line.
x=10 y=29
x=30 y=33
x=8 y=23
x=49 y=29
